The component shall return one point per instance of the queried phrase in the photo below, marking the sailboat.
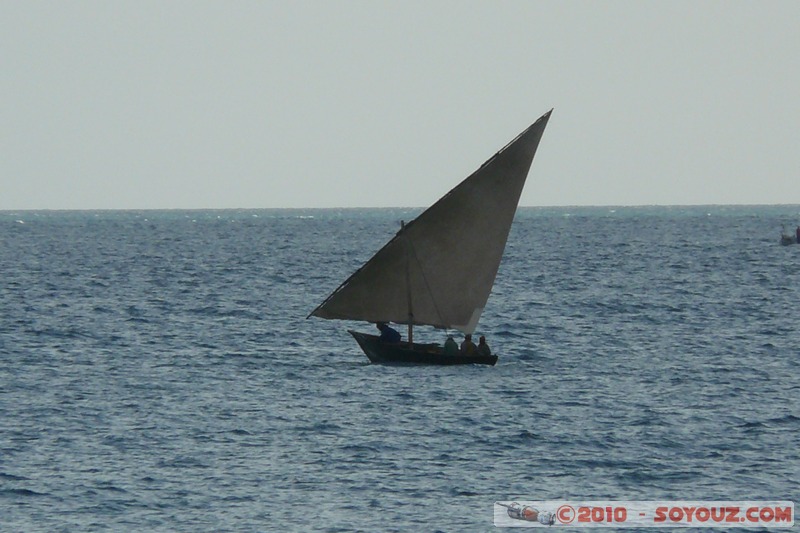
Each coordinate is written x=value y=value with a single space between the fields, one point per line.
x=439 y=269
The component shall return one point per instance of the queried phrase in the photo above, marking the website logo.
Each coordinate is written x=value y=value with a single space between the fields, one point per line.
x=621 y=514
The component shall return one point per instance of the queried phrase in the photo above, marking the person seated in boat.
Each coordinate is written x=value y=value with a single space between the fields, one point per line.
x=450 y=346
x=468 y=347
x=483 y=348
x=797 y=235
x=389 y=335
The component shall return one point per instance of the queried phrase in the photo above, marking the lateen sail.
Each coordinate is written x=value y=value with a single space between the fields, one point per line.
x=442 y=265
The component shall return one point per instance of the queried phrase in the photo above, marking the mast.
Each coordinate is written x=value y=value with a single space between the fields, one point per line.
x=408 y=287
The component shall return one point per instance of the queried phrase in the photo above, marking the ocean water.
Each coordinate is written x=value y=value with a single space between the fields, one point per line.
x=159 y=373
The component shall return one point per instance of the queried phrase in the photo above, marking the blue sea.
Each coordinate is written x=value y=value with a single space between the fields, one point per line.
x=159 y=372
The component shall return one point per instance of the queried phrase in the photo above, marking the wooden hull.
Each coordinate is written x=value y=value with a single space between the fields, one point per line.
x=421 y=354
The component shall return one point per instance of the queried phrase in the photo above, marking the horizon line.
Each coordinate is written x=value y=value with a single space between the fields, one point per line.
x=308 y=208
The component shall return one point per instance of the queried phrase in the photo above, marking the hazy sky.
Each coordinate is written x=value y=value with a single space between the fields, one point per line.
x=170 y=104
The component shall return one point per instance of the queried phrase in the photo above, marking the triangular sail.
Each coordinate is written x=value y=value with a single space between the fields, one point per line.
x=445 y=261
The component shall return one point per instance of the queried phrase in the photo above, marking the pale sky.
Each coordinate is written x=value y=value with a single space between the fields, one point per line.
x=239 y=104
